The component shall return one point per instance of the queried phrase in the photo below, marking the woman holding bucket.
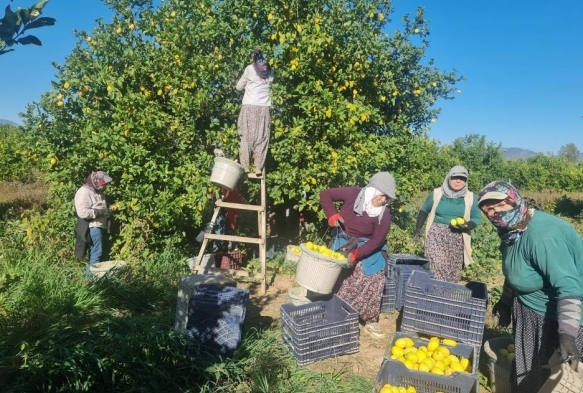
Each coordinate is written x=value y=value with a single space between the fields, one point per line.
x=365 y=219
x=542 y=262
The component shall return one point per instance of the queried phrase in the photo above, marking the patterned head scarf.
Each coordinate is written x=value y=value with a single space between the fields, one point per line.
x=511 y=222
x=459 y=171
x=97 y=180
x=260 y=64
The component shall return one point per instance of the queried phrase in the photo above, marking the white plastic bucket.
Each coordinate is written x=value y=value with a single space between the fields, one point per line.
x=298 y=296
x=100 y=269
x=226 y=173
x=317 y=272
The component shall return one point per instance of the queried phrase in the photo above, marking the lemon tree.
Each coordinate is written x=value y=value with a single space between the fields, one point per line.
x=149 y=95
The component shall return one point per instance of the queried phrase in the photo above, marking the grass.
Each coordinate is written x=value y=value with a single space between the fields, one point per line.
x=58 y=335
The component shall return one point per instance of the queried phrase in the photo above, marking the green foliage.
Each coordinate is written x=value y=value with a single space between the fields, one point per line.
x=149 y=95
x=570 y=152
x=15 y=25
x=17 y=160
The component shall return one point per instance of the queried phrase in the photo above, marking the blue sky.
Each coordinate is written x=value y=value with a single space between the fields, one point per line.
x=522 y=60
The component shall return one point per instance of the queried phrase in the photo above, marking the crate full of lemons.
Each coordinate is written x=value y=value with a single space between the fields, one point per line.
x=427 y=364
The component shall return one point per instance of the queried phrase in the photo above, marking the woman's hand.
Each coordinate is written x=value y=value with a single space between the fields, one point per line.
x=353 y=257
x=335 y=219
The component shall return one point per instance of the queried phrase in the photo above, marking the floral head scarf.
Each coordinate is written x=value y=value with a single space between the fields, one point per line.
x=509 y=223
x=261 y=64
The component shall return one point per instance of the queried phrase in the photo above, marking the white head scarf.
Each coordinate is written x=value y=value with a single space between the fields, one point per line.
x=369 y=194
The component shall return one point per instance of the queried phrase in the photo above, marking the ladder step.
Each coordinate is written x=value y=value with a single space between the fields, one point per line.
x=240 y=206
x=209 y=269
x=240 y=239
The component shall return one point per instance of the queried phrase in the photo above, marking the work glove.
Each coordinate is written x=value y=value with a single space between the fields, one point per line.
x=504 y=313
x=335 y=219
x=353 y=257
x=416 y=236
x=105 y=212
x=569 y=350
x=421 y=217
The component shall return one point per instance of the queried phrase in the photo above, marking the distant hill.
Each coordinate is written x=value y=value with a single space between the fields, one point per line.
x=3 y=121
x=516 y=153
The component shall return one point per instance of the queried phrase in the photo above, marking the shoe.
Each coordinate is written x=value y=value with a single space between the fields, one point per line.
x=374 y=329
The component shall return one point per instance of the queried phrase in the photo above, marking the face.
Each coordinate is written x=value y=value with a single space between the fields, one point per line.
x=380 y=200
x=493 y=206
x=456 y=183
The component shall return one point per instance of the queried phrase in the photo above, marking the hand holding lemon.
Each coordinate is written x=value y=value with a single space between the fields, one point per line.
x=458 y=223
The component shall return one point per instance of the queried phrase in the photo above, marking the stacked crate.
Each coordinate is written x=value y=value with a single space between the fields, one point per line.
x=320 y=330
x=186 y=287
x=399 y=268
x=445 y=310
x=216 y=315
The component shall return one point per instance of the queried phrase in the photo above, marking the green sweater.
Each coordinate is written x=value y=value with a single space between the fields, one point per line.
x=545 y=264
x=449 y=208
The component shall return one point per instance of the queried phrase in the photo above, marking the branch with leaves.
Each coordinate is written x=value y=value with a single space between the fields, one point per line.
x=15 y=25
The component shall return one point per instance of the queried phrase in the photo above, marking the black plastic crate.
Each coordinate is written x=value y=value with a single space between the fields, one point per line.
x=216 y=334
x=220 y=299
x=444 y=309
x=402 y=274
x=320 y=330
x=466 y=350
x=397 y=374
x=404 y=259
x=388 y=301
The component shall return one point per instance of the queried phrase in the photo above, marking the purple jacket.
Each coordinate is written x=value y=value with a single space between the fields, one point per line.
x=356 y=225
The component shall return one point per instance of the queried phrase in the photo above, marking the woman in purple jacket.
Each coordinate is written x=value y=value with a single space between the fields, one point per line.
x=365 y=219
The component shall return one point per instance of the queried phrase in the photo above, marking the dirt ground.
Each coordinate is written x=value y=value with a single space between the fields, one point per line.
x=264 y=311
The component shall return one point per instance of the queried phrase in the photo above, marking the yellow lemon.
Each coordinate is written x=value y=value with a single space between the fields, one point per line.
x=412 y=356
x=510 y=356
x=411 y=389
x=443 y=350
x=401 y=343
x=422 y=348
x=464 y=363
x=410 y=349
x=453 y=222
x=310 y=245
x=455 y=366
x=397 y=351
x=425 y=367
x=421 y=355
x=437 y=355
x=448 y=341
x=432 y=345
x=510 y=347
x=437 y=371
x=460 y=221
x=410 y=342
x=453 y=359
x=440 y=364
x=386 y=389
x=409 y=364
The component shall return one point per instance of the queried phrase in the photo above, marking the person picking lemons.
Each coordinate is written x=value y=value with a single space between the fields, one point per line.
x=451 y=212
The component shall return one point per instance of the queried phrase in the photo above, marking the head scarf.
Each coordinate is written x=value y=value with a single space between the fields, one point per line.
x=509 y=223
x=261 y=65
x=457 y=170
x=381 y=183
x=97 y=180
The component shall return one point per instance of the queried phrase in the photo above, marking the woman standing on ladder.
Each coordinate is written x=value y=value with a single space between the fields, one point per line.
x=254 y=120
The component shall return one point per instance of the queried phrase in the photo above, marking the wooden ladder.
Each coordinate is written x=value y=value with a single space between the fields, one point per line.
x=261 y=240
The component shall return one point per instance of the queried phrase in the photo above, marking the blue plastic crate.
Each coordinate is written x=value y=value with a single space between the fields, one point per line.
x=445 y=309
x=216 y=334
x=220 y=299
x=389 y=298
x=402 y=274
x=320 y=330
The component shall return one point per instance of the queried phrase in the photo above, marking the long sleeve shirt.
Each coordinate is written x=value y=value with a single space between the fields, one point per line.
x=257 y=89
x=86 y=201
x=360 y=226
x=449 y=208
x=545 y=264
